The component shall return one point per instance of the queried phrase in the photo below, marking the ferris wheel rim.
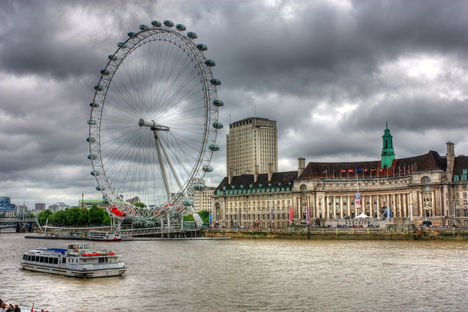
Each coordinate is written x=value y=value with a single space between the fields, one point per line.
x=211 y=112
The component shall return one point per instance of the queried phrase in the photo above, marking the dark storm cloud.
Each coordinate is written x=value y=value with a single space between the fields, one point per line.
x=322 y=46
x=330 y=72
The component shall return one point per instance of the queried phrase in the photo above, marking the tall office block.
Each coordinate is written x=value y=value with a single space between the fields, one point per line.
x=252 y=147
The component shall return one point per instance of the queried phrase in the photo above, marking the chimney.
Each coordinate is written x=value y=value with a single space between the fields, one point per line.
x=300 y=166
x=256 y=174
x=450 y=160
x=270 y=171
x=229 y=176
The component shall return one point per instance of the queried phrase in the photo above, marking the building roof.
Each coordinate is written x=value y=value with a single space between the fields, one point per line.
x=245 y=180
x=426 y=162
x=251 y=118
x=461 y=162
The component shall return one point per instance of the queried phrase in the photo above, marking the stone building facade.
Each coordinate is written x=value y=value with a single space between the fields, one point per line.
x=413 y=189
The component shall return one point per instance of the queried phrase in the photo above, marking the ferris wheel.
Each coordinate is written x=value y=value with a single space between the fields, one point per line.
x=154 y=122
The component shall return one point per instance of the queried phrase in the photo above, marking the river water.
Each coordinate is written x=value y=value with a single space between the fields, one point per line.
x=251 y=275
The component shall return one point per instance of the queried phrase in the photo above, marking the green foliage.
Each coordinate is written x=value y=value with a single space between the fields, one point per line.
x=83 y=217
x=189 y=218
x=75 y=216
x=43 y=216
x=140 y=204
x=106 y=220
x=95 y=215
x=204 y=215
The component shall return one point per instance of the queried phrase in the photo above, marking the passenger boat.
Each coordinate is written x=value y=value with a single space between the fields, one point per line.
x=76 y=261
x=104 y=236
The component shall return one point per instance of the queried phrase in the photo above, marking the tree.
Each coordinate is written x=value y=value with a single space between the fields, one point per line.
x=72 y=216
x=83 y=216
x=189 y=218
x=96 y=215
x=59 y=218
x=106 y=219
x=204 y=215
x=43 y=216
x=140 y=204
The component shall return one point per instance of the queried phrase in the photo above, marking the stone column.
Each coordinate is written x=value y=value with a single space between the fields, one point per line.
x=371 y=205
x=348 y=205
x=405 y=205
x=433 y=204
x=400 y=214
x=324 y=209
x=341 y=207
x=420 y=205
x=334 y=207
x=378 y=206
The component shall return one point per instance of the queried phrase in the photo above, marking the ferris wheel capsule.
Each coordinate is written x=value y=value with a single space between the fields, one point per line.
x=192 y=35
x=156 y=23
x=215 y=82
x=202 y=47
x=217 y=125
x=181 y=27
x=218 y=103
x=210 y=63
x=168 y=23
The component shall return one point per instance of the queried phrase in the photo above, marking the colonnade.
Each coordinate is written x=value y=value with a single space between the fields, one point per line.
x=329 y=205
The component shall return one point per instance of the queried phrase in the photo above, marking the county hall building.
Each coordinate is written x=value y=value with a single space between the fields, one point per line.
x=414 y=189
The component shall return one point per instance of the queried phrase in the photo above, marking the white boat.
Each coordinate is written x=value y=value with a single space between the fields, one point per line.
x=104 y=236
x=76 y=261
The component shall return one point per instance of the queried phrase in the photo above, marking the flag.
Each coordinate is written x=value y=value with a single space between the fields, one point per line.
x=357 y=200
x=211 y=217
x=343 y=170
x=350 y=170
x=290 y=214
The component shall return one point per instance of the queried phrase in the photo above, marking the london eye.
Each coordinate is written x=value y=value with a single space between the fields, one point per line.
x=154 y=122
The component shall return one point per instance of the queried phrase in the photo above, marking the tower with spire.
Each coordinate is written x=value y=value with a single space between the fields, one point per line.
x=388 y=154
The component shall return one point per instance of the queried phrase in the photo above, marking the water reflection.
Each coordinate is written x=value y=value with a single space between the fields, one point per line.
x=251 y=275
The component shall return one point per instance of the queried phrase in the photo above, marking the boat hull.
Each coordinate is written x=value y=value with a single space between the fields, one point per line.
x=107 y=272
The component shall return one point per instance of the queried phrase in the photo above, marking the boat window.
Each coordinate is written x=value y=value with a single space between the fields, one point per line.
x=64 y=260
x=51 y=260
x=55 y=260
x=24 y=257
x=41 y=259
x=34 y=258
x=101 y=260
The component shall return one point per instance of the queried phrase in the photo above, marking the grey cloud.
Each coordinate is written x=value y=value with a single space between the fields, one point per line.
x=286 y=70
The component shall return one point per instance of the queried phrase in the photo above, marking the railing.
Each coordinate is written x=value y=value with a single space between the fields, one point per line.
x=173 y=229
x=17 y=220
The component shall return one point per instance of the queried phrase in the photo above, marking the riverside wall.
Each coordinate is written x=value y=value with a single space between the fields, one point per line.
x=391 y=233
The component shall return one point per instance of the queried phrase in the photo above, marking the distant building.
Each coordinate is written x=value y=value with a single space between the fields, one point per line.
x=251 y=147
x=58 y=206
x=6 y=206
x=39 y=206
x=90 y=202
x=21 y=210
x=203 y=200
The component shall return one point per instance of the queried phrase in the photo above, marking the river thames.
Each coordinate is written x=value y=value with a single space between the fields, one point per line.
x=251 y=275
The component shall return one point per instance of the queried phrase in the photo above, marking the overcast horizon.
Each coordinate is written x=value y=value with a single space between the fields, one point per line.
x=331 y=73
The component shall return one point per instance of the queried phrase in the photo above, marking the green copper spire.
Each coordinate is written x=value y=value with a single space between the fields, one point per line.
x=388 y=155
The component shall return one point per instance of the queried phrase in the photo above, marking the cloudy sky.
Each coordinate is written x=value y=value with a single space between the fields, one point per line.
x=329 y=72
